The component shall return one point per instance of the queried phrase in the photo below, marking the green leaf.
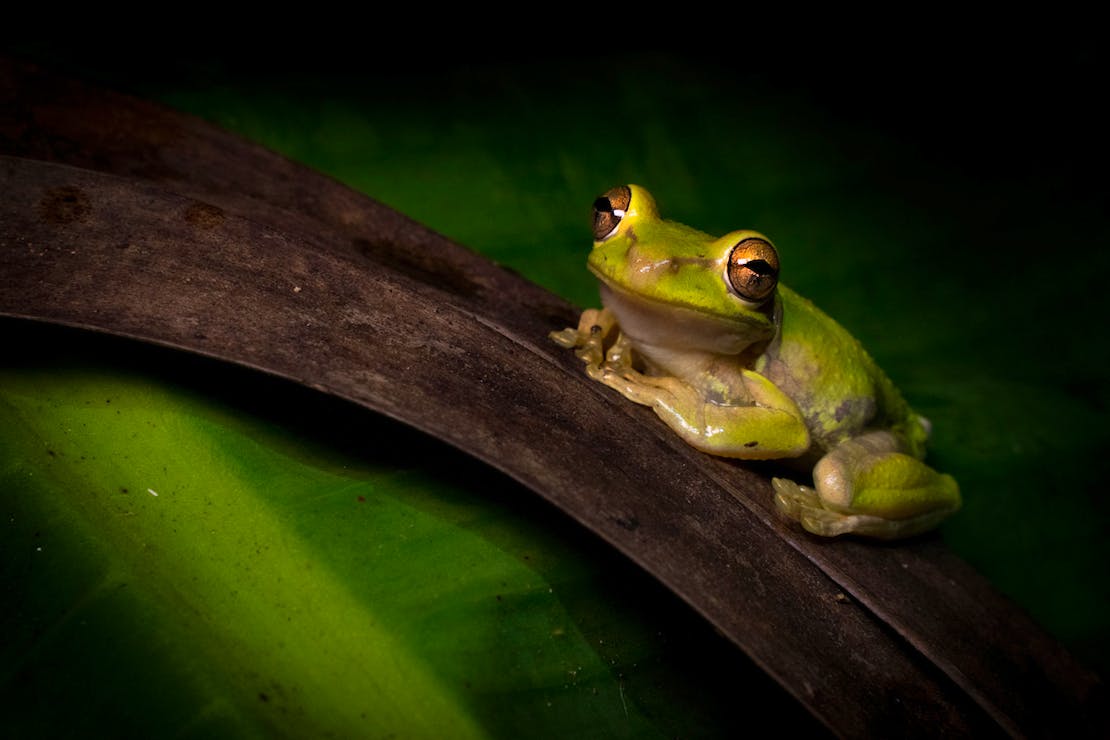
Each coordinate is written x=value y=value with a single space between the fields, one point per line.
x=201 y=552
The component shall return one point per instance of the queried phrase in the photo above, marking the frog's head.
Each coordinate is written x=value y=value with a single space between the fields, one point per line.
x=719 y=292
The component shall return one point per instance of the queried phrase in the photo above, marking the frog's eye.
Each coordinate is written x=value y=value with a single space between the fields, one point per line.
x=609 y=209
x=753 y=269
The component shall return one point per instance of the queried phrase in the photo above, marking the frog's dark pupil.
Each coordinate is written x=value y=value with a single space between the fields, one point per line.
x=761 y=268
x=605 y=220
x=603 y=204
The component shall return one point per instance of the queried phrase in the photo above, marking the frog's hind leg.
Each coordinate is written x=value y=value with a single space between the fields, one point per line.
x=802 y=504
x=869 y=486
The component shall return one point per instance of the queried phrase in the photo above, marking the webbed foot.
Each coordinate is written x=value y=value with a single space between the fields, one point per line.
x=868 y=486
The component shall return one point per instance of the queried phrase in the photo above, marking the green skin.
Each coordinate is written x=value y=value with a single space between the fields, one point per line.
x=758 y=379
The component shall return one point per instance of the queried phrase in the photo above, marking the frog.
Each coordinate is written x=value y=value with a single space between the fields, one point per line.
x=700 y=329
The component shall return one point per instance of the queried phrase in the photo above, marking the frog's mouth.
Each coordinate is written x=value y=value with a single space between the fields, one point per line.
x=666 y=325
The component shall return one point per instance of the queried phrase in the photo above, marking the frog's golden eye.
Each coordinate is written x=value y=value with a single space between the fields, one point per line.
x=609 y=209
x=753 y=269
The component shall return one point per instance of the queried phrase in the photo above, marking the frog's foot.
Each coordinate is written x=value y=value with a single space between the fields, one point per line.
x=802 y=504
x=867 y=486
x=588 y=340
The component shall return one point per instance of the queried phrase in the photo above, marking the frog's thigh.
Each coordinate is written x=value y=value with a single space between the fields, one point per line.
x=869 y=486
x=774 y=429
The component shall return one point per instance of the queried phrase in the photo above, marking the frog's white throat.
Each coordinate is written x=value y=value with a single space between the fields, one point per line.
x=659 y=330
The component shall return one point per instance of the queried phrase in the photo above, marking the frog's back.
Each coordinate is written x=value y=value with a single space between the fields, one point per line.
x=835 y=382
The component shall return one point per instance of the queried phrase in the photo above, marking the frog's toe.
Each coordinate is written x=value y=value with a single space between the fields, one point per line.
x=792 y=499
x=826 y=523
x=830 y=524
x=566 y=338
x=802 y=504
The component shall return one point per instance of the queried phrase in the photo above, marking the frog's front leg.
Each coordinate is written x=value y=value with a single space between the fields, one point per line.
x=745 y=416
x=726 y=410
x=588 y=340
x=868 y=485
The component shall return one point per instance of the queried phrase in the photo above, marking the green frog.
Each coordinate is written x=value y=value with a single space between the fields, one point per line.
x=701 y=330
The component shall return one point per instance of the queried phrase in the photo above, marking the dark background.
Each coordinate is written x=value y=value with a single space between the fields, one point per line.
x=938 y=186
